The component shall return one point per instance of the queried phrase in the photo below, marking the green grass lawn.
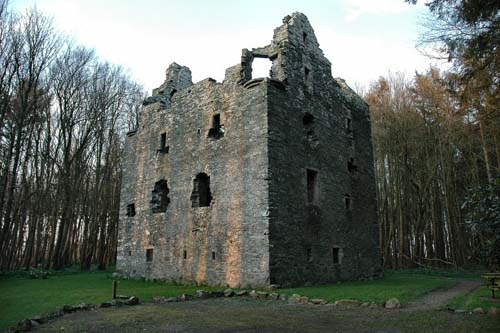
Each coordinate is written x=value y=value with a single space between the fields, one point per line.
x=23 y=297
x=405 y=286
x=480 y=297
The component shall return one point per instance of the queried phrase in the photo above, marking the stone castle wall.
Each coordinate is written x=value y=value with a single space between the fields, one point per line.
x=291 y=180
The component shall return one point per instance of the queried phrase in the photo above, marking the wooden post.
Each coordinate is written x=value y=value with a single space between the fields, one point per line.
x=115 y=284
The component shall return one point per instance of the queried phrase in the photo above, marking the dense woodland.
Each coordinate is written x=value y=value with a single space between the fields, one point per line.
x=64 y=114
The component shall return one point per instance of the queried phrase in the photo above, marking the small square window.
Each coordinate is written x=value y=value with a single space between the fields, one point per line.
x=149 y=255
x=336 y=255
x=129 y=253
x=307 y=73
x=348 y=124
x=348 y=202
x=309 y=255
x=213 y=255
x=185 y=254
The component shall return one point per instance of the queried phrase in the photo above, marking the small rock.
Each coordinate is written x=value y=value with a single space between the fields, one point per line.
x=283 y=297
x=460 y=311
x=262 y=294
x=228 y=292
x=122 y=297
x=253 y=294
x=274 y=296
x=373 y=305
x=24 y=326
x=116 y=275
x=107 y=304
x=242 y=293
x=365 y=304
x=392 y=303
x=171 y=299
x=132 y=301
x=494 y=311
x=202 y=294
x=186 y=297
x=39 y=319
x=217 y=294
x=478 y=310
x=304 y=300
x=34 y=323
x=318 y=301
x=273 y=286
x=158 y=299
x=347 y=303
x=294 y=299
x=68 y=309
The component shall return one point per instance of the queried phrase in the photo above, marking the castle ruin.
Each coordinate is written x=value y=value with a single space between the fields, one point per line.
x=252 y=181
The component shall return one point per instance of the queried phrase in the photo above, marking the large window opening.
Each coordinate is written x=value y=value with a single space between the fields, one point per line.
x=201 y=196
x=130 y=210
x=261 y=67
x=159 y=197
x=217 y=131
x=312 y=187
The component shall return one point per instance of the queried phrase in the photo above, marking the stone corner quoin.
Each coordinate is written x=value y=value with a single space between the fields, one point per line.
x=252 y=181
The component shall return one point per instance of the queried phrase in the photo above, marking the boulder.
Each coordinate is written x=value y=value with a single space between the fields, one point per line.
x=228 y=292
x=494 y=311
x=262 y=294
x=478 y=310
x=171 y=299
x=106 y=305
x=318 y=301
x=68 y=309
x=132 y=301
x=392 y=303
x=294 y=299
x=347 y=303
x=242 y=293
x=274 y=296
x=217 y=294
x=202 y=294
x=24 y=326
x=304 y=300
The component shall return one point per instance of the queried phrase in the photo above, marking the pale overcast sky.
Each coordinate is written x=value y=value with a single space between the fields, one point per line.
x=363 y=39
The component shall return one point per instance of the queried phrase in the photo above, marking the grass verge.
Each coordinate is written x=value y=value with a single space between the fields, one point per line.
x=23 y=297
x=405 y=286
x=480 y=297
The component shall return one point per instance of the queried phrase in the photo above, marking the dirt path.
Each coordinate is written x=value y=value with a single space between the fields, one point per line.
x=437 y=299
x=223 y=315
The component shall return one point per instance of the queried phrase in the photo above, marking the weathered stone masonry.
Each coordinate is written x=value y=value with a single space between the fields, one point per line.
x=251 y=182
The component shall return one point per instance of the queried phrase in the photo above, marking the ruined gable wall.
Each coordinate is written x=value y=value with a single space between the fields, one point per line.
x=303 y=235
